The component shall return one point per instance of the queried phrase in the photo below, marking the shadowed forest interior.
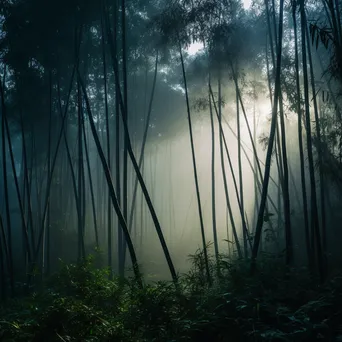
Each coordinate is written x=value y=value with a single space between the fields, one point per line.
x=176 y=146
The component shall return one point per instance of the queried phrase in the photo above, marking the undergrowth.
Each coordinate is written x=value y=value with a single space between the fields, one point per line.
x=79 y=303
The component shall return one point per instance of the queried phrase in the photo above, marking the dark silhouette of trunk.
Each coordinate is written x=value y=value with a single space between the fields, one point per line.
x=48 y=217
x=109 y=207
x=213 y=200
x=80 y=195
x=268 y=17
x=266 y=178
x=286 y=192
x=316 y=236
x=142 y=225
x=118 y=179
x=300 y=141
x=320 y=159
x=91 y=186
x=125 y=102
x=274 y=22
x=242 y=206
x=204 y=244
x=256 y=179
x=113 y=41
x=3 y=258
x=278 y=149
x=7 y=209
x=30 y=226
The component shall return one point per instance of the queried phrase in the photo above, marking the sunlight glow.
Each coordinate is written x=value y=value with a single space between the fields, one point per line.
x=194 y=48
x=247 y=4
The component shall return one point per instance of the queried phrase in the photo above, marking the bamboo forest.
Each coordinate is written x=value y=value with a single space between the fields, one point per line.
x=170 y=170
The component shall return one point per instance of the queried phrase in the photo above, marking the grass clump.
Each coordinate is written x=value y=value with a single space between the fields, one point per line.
x=79 y=303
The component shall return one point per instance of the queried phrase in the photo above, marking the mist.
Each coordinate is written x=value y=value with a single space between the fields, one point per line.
x=174 y=127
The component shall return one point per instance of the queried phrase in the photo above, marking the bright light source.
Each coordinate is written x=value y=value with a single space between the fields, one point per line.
x=247 y=4
x=194 y=48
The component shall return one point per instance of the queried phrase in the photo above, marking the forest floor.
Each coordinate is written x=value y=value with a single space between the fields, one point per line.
x=79 y=303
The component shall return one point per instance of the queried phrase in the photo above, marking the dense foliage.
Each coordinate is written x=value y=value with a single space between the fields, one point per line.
x=81 y=304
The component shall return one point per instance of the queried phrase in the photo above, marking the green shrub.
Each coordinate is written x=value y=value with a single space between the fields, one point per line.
x=79 y=303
